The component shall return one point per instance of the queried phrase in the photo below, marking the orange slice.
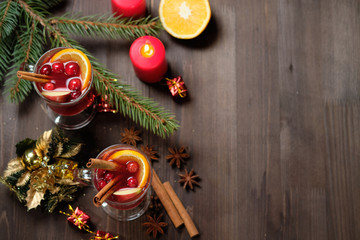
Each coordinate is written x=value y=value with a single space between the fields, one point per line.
x=184 y=19
x=131 y=155
x=78 y=56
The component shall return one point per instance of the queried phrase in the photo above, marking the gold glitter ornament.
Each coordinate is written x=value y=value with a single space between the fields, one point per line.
x=30 y=160
x=42 y=174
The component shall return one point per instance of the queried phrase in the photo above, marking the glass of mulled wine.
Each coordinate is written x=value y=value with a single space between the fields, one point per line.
x=68 y=95
x=131 y=196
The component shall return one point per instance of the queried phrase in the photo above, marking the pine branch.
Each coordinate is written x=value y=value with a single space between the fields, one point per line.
x=107 y=27
x=28 y=49
x=140 y=109
x=44 y=5
x=9 y=12
x=37 y=16
x=6 y=49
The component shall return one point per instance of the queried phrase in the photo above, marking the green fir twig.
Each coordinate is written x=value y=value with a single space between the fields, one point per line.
x=9 y=15
x=107 y=27
x=29 y=30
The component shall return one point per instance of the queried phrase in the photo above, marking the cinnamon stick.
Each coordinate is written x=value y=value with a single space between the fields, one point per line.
x=188 y=222
x=106 y=191
x=101 y=164
x=166 y=201
x=34 y=77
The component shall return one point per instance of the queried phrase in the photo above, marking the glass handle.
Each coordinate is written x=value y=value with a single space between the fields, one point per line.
x=83 y=176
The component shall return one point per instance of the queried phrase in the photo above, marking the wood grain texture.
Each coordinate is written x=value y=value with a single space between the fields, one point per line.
x=271 y=124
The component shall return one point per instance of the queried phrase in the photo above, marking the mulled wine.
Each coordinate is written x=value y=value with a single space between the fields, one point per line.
x=133 y=172
x=68 y=95
x=70 y=72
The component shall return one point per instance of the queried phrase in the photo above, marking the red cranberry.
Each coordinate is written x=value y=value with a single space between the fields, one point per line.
x=132 y=167
x=74 y=84
x=49 y=86
x=132 y=182
x=72 y=69
x=46 y=69
x=109 y=176
x=58 y=67
x=102 y=184
x=101 y=172
x=75 y=95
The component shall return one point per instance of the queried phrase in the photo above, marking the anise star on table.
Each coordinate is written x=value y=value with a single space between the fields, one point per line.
x=130 y=136
x=189 y=179
x=154 y=225
x=177 y=156
x=150 y=152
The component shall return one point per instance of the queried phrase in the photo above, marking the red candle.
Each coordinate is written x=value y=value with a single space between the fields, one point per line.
x=147 y=55
x=129 y=8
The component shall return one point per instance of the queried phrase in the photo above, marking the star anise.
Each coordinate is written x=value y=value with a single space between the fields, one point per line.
x=130 y=136
x=154 y=225
x=150 y=152
x=189 y=179
x=177 y=156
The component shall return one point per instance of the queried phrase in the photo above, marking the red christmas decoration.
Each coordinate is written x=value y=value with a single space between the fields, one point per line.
x=177 y=87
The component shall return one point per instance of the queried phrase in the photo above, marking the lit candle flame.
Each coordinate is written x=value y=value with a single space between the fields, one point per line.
x=147 y=50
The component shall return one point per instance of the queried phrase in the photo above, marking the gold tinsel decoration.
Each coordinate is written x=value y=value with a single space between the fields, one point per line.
x=45 y=168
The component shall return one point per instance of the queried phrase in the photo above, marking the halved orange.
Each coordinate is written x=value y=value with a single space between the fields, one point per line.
x=131 y=155
x=184 y=19
x=71 y=54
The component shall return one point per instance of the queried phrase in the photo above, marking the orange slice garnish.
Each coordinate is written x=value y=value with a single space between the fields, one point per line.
x=184 y=19
x=78 y=56
x=131 y=155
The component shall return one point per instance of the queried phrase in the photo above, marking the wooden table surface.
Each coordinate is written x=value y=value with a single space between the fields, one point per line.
x=271 y=124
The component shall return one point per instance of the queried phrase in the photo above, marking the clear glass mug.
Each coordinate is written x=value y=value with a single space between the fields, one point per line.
x=123 y=208
x=68 y=115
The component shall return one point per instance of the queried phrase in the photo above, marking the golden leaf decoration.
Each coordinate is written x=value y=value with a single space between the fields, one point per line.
x=72 y=151
x=59 y=149
x=24 y=178
x=43 y=142
x=13 y=166
x=34 y=198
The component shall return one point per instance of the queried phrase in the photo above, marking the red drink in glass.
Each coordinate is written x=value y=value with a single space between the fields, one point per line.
x=69 y=97
x=66 y=81
x=135 y=178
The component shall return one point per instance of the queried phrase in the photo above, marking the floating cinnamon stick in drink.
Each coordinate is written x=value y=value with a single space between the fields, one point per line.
x=188 y=222
x=34 y=77
x=102 y=164
x=106 y=191
x=166 y=201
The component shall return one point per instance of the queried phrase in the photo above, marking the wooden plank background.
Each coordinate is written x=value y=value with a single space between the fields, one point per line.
x=271 y=124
